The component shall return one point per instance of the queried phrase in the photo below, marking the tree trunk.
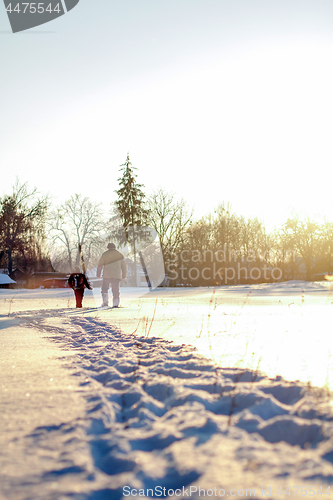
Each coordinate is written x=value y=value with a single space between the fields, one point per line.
x=135 y=268
x=10 y=261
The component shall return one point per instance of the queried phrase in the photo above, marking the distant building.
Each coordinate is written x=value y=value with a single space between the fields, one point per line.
x=6 y=281
x=47 y=280
x=20 y=277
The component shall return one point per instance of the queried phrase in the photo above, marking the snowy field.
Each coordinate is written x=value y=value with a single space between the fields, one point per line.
x=180 y=393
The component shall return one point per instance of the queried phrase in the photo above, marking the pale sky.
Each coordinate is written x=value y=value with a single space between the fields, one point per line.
x=215 y=100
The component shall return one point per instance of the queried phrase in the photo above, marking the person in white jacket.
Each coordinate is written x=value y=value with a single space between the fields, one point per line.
x=114 y=270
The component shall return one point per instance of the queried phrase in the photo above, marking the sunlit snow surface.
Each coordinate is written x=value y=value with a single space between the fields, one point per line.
x=94 y=400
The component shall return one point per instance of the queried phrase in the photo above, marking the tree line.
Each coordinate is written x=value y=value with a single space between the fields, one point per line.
x=219 y=248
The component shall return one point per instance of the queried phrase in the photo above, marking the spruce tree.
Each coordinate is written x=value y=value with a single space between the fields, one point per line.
x=130 y=204
x=130 y=201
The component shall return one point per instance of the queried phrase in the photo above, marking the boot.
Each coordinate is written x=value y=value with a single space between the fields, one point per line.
x=115 y=302
x=105 y=297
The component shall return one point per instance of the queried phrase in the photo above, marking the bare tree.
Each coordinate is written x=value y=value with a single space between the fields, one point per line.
x=253 y=238
x=305 y=237
x=22 y=217
x=327 y=233
x=226 y=229
x=200 y=234
x=77 y=223
x=170 y=218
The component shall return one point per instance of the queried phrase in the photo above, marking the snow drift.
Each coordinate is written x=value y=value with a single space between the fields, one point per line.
x=158 y=419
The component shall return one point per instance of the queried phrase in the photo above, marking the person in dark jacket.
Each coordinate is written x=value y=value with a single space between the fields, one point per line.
x=78 y=282
x=114 y=270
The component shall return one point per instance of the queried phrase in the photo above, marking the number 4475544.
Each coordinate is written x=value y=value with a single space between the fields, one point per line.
x=304 y=491
x=33 y=8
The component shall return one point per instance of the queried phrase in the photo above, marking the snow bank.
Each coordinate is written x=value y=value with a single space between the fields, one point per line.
x=158 y=415
x=6 y=280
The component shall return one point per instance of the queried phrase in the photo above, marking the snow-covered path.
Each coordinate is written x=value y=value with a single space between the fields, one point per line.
x=281 y=329
x=133 y=413
x=37 y=392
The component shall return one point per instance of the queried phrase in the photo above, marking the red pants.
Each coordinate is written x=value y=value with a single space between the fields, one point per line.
x=79 y=296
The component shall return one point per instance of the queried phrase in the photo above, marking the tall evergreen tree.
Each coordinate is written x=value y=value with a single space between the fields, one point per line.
x=130 y=201
x=130 y=205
